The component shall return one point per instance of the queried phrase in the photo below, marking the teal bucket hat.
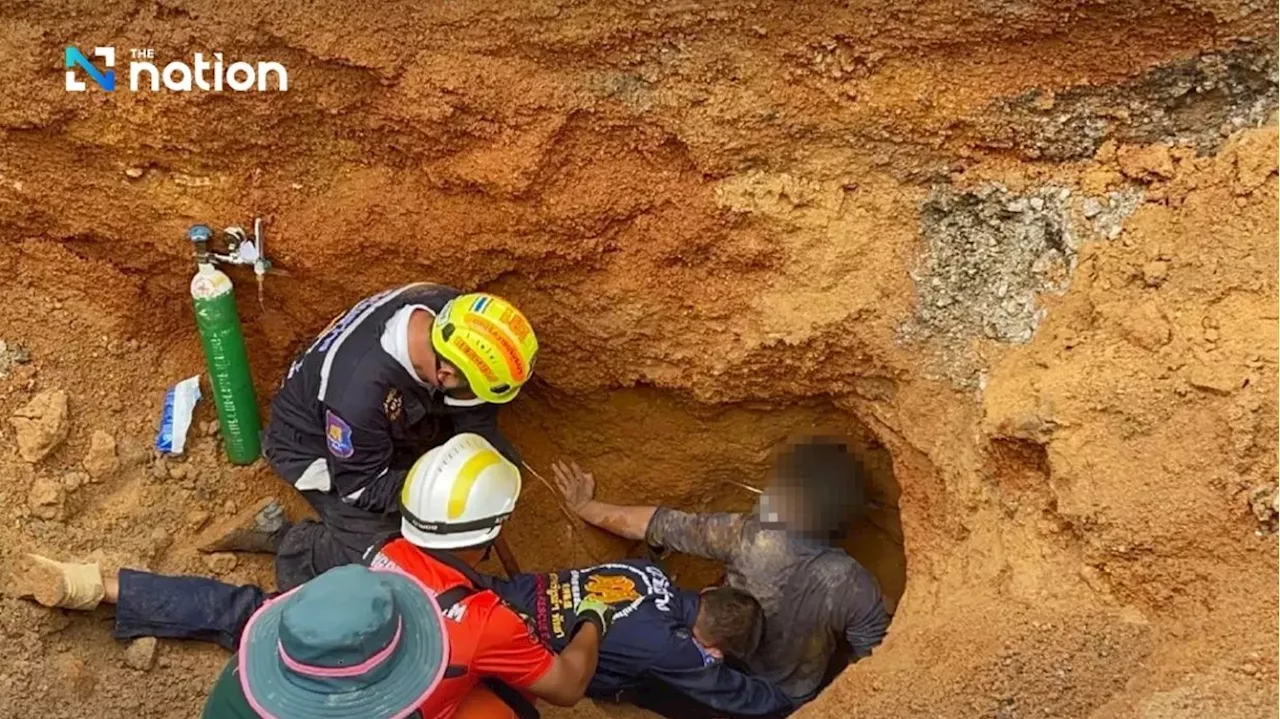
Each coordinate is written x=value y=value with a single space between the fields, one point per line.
x=353 y=642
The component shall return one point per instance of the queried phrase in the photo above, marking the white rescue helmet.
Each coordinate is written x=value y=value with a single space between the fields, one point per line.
x=458 y=494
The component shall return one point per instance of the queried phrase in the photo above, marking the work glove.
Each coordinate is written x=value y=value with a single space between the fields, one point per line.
x=591 y=609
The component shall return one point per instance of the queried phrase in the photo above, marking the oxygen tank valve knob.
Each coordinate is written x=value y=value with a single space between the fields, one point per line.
x=199 y=233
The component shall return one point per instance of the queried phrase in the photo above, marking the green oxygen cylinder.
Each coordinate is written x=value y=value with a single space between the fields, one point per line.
x=224 y=353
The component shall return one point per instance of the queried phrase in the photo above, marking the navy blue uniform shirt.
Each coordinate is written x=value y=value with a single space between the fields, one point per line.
x=346 y=400
x=649 y=656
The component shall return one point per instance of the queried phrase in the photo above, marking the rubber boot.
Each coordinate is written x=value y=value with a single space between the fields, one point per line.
x=255 y=529
x=58 y=584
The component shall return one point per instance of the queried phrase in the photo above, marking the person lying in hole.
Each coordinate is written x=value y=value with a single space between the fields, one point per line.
x=675 y=652
x=393 y=376
x=666 y=648
x=816 y=597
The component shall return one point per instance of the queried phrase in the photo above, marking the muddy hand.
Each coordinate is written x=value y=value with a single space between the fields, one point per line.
x=577 y=486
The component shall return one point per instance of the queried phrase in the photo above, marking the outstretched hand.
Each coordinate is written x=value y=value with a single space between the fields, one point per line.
x=577 y=486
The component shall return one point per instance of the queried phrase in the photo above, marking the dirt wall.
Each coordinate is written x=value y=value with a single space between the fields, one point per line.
x=1024 y=252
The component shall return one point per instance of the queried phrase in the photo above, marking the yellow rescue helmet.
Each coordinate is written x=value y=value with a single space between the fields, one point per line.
x=490 y=341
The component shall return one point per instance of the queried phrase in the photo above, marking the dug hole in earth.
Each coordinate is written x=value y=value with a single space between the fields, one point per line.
x=1024 y=254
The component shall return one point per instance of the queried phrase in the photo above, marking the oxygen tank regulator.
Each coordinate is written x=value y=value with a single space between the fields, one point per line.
x=241 y=250
x=222 y=337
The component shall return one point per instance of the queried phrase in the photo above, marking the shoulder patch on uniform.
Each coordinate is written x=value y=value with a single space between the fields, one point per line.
x=338 y=434
x=393 y=404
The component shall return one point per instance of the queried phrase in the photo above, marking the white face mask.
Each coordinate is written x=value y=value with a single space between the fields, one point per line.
x=771 y=510
x=761 y=510
x=783 y=508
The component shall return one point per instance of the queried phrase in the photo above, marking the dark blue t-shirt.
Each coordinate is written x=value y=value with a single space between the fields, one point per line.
x=649 y=654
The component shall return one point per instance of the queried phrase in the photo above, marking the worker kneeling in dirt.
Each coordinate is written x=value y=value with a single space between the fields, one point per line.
x=666 y=651
x=349 y=635
x=815 y=596
x=395 y=375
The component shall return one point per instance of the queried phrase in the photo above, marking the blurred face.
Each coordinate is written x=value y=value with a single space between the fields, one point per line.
x=815 y=488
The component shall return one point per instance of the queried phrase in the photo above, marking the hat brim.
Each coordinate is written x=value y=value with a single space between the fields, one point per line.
x=418 y=664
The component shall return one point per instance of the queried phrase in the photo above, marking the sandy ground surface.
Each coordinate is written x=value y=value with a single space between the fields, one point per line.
x=1025 y=253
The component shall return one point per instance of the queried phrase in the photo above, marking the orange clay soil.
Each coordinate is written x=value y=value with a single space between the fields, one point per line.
x=1024 y=253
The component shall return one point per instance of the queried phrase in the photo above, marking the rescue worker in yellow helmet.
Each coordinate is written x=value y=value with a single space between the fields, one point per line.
x=397 y=374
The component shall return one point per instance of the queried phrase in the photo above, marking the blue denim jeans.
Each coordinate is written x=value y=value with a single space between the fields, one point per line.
x=155 y=605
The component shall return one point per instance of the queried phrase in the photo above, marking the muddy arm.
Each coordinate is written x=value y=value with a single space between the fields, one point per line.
x=630 y=522
x=711 y=536
x=579 y=488
x=864 y=621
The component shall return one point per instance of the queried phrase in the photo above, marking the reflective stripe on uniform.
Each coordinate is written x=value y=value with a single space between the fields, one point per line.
x=346 y=332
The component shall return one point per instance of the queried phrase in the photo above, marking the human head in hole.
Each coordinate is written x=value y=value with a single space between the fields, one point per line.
x=821 y=606
x=816 y=489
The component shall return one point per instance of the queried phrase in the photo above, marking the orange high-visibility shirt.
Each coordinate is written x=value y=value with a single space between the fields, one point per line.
x=485 y=635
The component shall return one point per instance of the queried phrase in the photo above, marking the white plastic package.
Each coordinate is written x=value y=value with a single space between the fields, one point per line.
x=179 y=406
